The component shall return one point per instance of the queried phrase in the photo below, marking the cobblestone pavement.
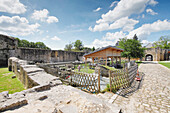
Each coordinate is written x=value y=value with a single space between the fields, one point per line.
x=154 y=94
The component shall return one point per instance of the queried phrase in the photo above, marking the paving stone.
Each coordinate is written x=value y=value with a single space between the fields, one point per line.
x=153 y=94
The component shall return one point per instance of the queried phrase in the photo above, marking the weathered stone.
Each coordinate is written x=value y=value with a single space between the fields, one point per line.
x=12 y=104
x=42 y=97
x=68 y=109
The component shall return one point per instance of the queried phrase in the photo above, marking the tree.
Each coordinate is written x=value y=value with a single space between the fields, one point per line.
x=132 y=48
x=87 y=49
x=25 y=43
x=135 y=37
x=93 y=48
x=78 y=45
x=68 y=47
x=163 y=42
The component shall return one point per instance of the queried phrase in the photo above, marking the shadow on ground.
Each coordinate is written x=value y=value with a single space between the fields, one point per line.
x=136 y=85
x=149 y=62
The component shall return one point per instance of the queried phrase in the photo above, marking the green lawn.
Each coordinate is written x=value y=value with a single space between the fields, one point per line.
x=166 y=64
x=9 y=84
x=138 y=62
x=86 y=70
x=110 y=68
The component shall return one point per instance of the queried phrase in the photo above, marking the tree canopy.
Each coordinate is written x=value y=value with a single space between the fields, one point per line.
x=132 y=48
x=68 y=47
x=25 y=43
x=163 y=42
x=78 y=45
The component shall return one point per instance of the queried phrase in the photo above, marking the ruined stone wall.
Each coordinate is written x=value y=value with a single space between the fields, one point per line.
x=34 y=54
x=65 y=56
x=9 y=48
x=31 y=75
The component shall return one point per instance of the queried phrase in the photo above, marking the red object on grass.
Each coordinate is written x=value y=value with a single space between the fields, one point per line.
x=67 y=77
x=137 y=76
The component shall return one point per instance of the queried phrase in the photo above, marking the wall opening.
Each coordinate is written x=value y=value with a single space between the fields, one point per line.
x=148 y=57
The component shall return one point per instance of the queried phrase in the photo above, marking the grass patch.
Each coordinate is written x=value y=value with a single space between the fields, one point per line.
x=107 y=89
x=166 y=64
x=86 y=70
x=110 y=68
x=9 y=84
x=138 y=62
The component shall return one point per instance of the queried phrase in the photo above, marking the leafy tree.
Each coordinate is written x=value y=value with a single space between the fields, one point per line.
x=25 y=43
x=93 y=48
x=163 y=42
x=135 y=37
x=132 y=48
x=87 y=49
x=68 y=47
x=78 y=45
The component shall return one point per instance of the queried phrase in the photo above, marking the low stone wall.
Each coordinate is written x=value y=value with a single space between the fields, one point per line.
x=31 y=75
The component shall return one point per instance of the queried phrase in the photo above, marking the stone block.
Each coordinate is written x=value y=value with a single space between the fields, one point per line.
x=12 y=104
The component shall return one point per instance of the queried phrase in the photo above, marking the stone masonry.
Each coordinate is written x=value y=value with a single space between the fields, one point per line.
x=9 y=48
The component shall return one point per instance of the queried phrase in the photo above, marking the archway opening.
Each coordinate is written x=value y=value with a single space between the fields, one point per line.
x=148 y=57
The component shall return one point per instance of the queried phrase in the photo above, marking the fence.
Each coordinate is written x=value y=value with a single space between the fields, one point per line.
x=122 y=78
x=88 y=82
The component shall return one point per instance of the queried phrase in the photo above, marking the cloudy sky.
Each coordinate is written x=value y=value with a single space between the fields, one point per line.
x=95 y=22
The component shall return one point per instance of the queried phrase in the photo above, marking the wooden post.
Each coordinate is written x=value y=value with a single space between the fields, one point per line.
x=85 y=61
x=98 y=60
x=98 y=80
x=112 y=60
x=71 y=78
x=106 y=61
x=110 y=83
x=120 y=60
x=127 y=75
x=93 y=60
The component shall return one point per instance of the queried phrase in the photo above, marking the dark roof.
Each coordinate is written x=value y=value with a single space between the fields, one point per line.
x=103 y=49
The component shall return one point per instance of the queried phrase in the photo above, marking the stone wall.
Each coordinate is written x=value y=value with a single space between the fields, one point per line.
x=9 y=48
x=31 y=75
x=158 y=54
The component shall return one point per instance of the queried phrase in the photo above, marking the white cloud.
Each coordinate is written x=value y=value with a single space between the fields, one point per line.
x=42 y=15
x=55 y=38
x=114 y=36
x=124 y=8
x=145 y=42
x=17 y=25
x=52 y=19
x=108 y=39
x=153 y=2
x=101 y=43
x=113 y=3
x=12 y=6
x=150 y=11
x=98 y=9
x=125 y=23
x=100 y=27
x=146 y=29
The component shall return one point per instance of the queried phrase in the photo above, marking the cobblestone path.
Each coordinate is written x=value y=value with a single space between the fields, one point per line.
x=154 y=94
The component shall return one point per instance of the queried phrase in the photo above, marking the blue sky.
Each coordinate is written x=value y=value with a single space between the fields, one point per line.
x=95 y=22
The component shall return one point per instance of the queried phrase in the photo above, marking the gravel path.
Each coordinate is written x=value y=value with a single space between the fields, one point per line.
x=154 y=93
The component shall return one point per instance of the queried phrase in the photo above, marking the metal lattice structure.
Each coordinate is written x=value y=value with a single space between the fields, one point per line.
x=88 y=82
